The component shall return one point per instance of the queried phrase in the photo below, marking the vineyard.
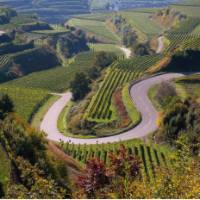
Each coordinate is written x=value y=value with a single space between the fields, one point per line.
x=26 y=101
x=190 y=85
x=5 y=60
x=56 y=79
x=184 y=36
x=150 y=155
x=183 y=42
x=120 y=73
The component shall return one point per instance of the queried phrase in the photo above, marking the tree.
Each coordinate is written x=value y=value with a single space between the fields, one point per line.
x=6 y=106
x=94 y=73
x=98 y=178
x=80 y=86
x=1 y=190
x=142 y=50
x=95 y=176
x=104 y=59
x=165 y=92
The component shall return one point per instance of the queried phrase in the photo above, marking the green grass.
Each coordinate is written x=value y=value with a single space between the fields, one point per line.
x=130 y=107
x=38 y=117
x=152 y=96
x=107 y=47
x=190 y=86
x=57 y=79
x=97 y=28
x=95 y=16
x=17 y=21
x=141 y=22
x=56 y=29
x=196 y=30
x=190 y=11
x=62 y=124
x=5 y=167
x=26 y=100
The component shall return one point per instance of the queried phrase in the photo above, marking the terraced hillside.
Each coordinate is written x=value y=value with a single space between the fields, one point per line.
x=127 y=4
x=151 y=156
x=51 y=11
x=118 y=75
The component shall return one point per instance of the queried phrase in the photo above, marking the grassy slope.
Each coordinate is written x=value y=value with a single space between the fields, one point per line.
x=27 y=92
x=5 y=167
x=97 y=28
x=189 y=86
x=106 y=47
x=25 y=99
x=57 y=79
x=184 y=88
x=131 y=109
x=191 y=11
x=142 y=23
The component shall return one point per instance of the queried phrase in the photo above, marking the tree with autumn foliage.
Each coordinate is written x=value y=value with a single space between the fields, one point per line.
x=98 y=177
x=121 y=178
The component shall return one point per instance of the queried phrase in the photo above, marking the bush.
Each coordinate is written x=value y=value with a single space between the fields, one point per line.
x=80 y=86
x=1 y=190
x=103 y=59
x=6 y=106
x=166 y=91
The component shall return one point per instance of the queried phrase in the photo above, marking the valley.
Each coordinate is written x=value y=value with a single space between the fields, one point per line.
x=99 y=99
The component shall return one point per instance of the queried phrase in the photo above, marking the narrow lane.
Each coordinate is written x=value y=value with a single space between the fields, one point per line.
x=139 y=95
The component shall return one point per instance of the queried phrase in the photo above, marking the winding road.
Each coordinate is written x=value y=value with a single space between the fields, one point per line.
x=127 y=52
x=160 y=44
x=139 y=95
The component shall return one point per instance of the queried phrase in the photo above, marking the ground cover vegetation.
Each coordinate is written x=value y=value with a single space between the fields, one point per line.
x=99 y=83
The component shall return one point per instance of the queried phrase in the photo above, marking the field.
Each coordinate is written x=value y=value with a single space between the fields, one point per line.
x=150 y=155
x=107 y=47
x=26 y=100
x=142 y=22
x=186 y=35
x=17 y=21
x=56 y=79
x=124 y=4
x=189 y=86
x=118 y=75
x=99 y=16
x=51 y=11
x=96 y=28
x=189 y=10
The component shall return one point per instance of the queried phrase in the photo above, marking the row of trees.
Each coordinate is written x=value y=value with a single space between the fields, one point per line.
x=122 y=178
x=80 y=86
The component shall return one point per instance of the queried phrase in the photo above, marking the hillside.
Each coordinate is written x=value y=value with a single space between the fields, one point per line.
x=50 y=11
x=100 y=99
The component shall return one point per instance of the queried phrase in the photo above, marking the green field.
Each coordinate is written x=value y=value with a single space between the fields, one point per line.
x=190 y=86
x=26 y=100
x=107 y=47
x=96 y=28
x=56 y=79
x=96 y=16
x=190 y=11
x=141 y=21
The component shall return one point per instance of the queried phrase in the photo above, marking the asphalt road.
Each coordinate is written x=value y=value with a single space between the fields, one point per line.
x=139 y=95
x=160 y=44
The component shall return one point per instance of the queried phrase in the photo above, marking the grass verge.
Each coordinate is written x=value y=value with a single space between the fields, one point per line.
x=130 y=107
x=42 y=110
